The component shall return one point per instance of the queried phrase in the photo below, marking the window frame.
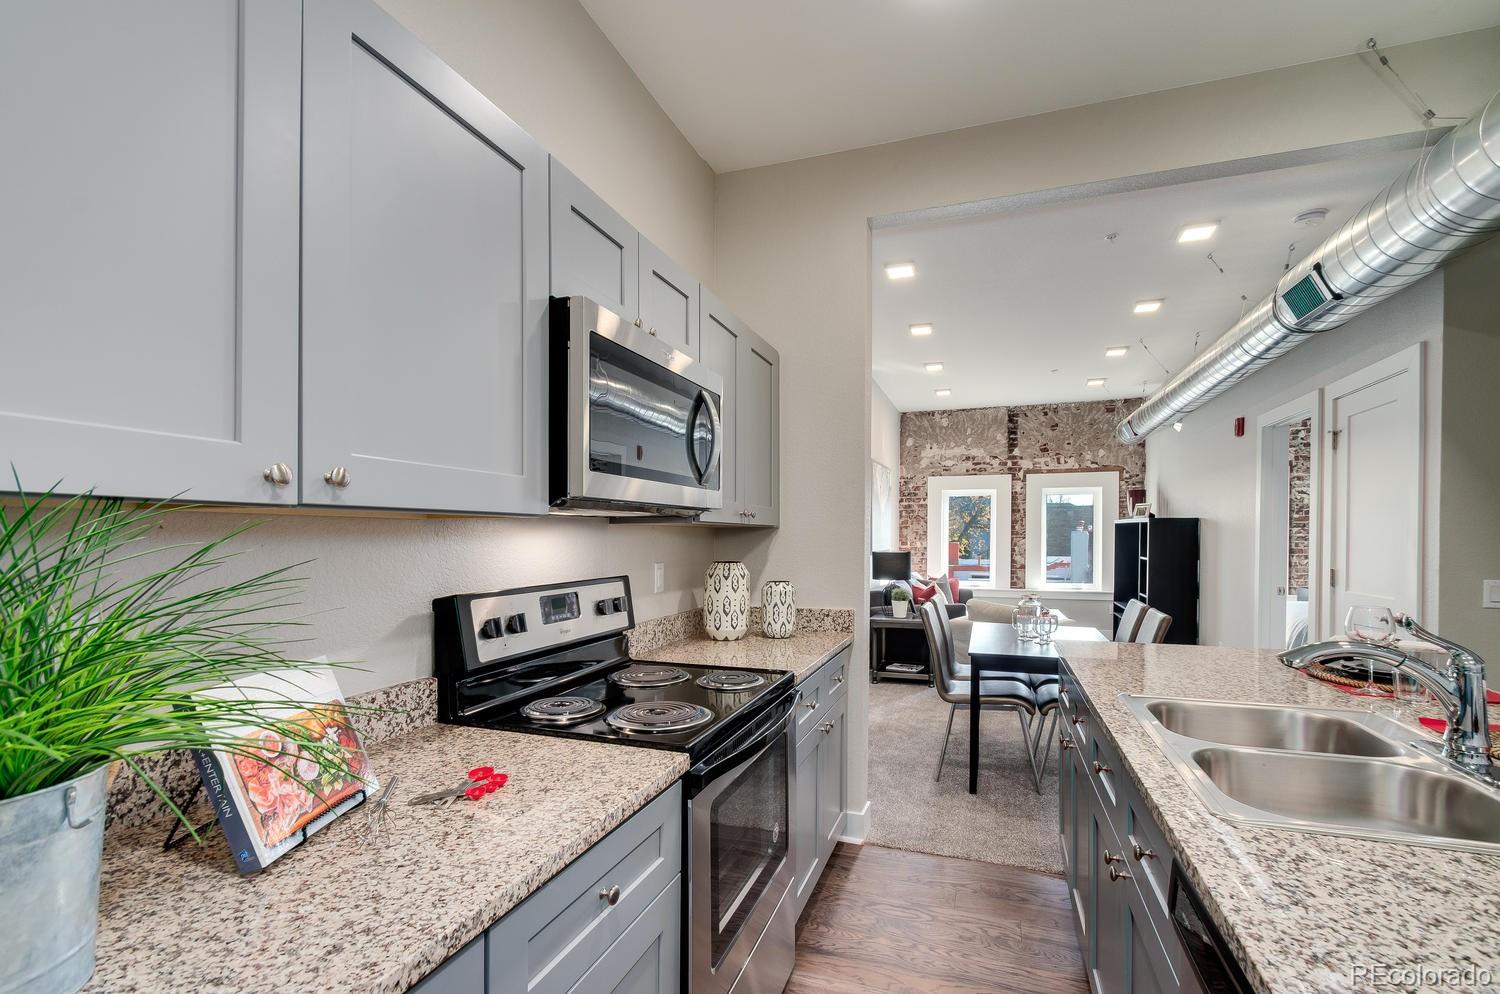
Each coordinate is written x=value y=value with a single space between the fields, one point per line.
x=995 y=485
x=1105 y=486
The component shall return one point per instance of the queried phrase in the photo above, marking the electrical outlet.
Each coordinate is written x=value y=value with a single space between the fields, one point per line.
x=1491 y=594
x=658 y=577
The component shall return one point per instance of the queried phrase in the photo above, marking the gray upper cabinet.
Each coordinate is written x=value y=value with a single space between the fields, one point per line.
x=720 y=336
x=148 y=267
x=595 y=251
x=424 y=279
x=751 y=415
x=669 y=300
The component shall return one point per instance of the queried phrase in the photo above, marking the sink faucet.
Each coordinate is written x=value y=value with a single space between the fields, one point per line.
x=1460 y=690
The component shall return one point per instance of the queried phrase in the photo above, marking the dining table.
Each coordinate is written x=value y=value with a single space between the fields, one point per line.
x=995 y=648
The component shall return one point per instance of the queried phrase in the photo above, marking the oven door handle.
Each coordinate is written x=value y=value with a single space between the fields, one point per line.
x=764 y=735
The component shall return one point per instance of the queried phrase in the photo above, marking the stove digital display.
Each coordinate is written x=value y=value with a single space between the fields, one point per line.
x=559 y=607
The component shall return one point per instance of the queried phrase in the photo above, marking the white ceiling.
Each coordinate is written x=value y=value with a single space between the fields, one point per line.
x=1024 y=303
x=751 y=82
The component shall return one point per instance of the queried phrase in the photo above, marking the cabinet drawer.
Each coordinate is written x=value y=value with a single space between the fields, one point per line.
x=822 y=692
x=647 y=958
x=555 y=936
x=1076 y=718
x=814 y=698
x=1153 y=865
x=837 y=670
x=461 y=973
x=1108 y=777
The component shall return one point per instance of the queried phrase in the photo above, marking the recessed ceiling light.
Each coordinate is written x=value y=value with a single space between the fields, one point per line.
x=1147 y=306
x=920 y=330
x=1115 y=351
x=900 y=270
x=1177 y=426
x=933 y=367
x=1095 y=381
x=942 y=392
x=1198 y=232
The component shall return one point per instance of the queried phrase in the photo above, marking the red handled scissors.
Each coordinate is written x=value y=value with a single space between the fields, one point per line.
x=481 y=780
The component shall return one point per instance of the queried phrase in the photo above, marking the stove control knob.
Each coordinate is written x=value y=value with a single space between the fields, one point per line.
x=619 y=605
x=493 y=628
x=601 y=607
x=515 y=624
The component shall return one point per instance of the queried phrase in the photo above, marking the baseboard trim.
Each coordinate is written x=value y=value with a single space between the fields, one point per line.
x=856 y=826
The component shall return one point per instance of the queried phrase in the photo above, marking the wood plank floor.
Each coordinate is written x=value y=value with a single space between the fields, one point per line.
x=888 y=921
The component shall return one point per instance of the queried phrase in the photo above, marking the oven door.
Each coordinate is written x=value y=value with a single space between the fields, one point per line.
x=644 y=425
x=740 y=870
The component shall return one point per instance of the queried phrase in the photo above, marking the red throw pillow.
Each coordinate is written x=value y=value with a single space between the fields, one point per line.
x=921 y=593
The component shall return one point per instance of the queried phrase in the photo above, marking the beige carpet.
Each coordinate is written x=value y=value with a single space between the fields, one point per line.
x=1006 y=822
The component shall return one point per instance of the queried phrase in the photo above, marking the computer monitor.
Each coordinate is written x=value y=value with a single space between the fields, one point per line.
x=891 y=566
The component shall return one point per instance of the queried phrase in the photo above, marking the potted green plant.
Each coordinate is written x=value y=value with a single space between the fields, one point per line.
x=900 y=601
x=106 y=642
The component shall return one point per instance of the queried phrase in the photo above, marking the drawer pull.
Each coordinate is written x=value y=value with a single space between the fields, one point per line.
x=1110 y=858
x=1063 y=742
x=279 y=474
x=826 y=727
x=838 y=678
x=811 y=706
x=611 y=896
x=1078 y=719
x=337 y=477
x=1101 y=768
x=1118 y=874
x=1141 y=853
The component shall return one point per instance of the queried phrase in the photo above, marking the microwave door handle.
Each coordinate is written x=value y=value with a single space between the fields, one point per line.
x=717 y=452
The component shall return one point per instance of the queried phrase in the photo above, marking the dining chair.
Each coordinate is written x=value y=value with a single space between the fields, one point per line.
x=1130 y=621
x=995 y=694
x=1153 y=627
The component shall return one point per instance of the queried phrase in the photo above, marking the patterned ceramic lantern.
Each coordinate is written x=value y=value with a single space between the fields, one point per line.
x=726 y=601
x=778 y=609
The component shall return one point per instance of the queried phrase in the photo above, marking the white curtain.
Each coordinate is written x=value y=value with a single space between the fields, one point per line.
x=882 y=508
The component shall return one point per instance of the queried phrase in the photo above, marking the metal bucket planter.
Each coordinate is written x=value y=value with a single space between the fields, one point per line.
x=50 y=842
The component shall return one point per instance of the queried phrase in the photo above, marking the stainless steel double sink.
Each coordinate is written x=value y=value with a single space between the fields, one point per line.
x=1320 y=770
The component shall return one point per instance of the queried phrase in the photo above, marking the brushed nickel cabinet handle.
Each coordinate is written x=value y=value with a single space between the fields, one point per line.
x=1110 y=858
x=337 y=477
x=611 y=896
x=838 y=678
x=1118 y=874
x=826 y=727
x=811 y=706
x=1139 y=852
x=278 y=473
x=1078 y=719
x=1063 y=742
x=1101 y=768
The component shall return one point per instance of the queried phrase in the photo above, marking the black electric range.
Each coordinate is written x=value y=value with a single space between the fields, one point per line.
x=554 y=661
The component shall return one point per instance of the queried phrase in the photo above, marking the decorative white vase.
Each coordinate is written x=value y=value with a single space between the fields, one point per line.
x=778 y=609
x=726 y=601
x=898 y=608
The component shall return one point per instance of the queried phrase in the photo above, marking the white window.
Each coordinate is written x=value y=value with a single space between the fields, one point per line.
x=968 y=529
x=1070 y=519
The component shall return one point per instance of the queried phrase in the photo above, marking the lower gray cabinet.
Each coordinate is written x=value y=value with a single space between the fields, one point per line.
x=610 y=923
x=1113 y=855
x=819 y=790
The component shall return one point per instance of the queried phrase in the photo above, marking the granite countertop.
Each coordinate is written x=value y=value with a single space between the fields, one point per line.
x=337 y=915
x=1302 y=910
x=802 y=654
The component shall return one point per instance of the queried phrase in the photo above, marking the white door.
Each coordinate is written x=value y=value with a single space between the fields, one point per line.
x=1373 y=450
x=148 y=247
x=424 y=279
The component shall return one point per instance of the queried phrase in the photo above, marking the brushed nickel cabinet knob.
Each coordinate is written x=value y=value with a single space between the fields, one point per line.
x=337 y=477
x=279 y=474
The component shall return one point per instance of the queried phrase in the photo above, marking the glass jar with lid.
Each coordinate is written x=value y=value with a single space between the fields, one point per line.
x=1028 y=612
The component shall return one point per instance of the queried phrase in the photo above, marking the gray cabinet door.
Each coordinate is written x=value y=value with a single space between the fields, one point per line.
x=720 y=350
x=831 y=753
x=669 y=300
x=148 y=266
x=1083 y=857
x=461 y=973
x=759 y=434
x=647 y=959
x=424 y=279
x=806 y=861
x=595 y=251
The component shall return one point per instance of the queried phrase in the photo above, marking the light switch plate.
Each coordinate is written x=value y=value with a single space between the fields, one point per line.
x=1491 y=596
x=659 y=578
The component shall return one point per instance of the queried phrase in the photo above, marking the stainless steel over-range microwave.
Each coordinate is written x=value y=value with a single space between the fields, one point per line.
x=635 y=424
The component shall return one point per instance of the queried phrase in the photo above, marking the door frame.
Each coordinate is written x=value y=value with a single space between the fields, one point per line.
x=1270 y=516
x=1411 y=359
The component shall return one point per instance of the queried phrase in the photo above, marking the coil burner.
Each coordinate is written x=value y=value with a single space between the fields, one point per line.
x=648 y=676
x=659 y=716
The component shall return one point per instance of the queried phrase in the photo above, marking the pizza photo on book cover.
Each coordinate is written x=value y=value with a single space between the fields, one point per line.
x=274 y=794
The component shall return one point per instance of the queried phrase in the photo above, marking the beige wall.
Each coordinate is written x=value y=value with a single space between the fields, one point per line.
x=1469 y=531
x=792 y=245
x=549 y=67
x=372 y=579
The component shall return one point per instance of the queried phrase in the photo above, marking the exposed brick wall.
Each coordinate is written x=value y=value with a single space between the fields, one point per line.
x=1299 y=502
x=1014 y=440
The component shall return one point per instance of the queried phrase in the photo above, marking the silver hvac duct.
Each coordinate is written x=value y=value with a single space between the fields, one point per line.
x=1446 y=202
